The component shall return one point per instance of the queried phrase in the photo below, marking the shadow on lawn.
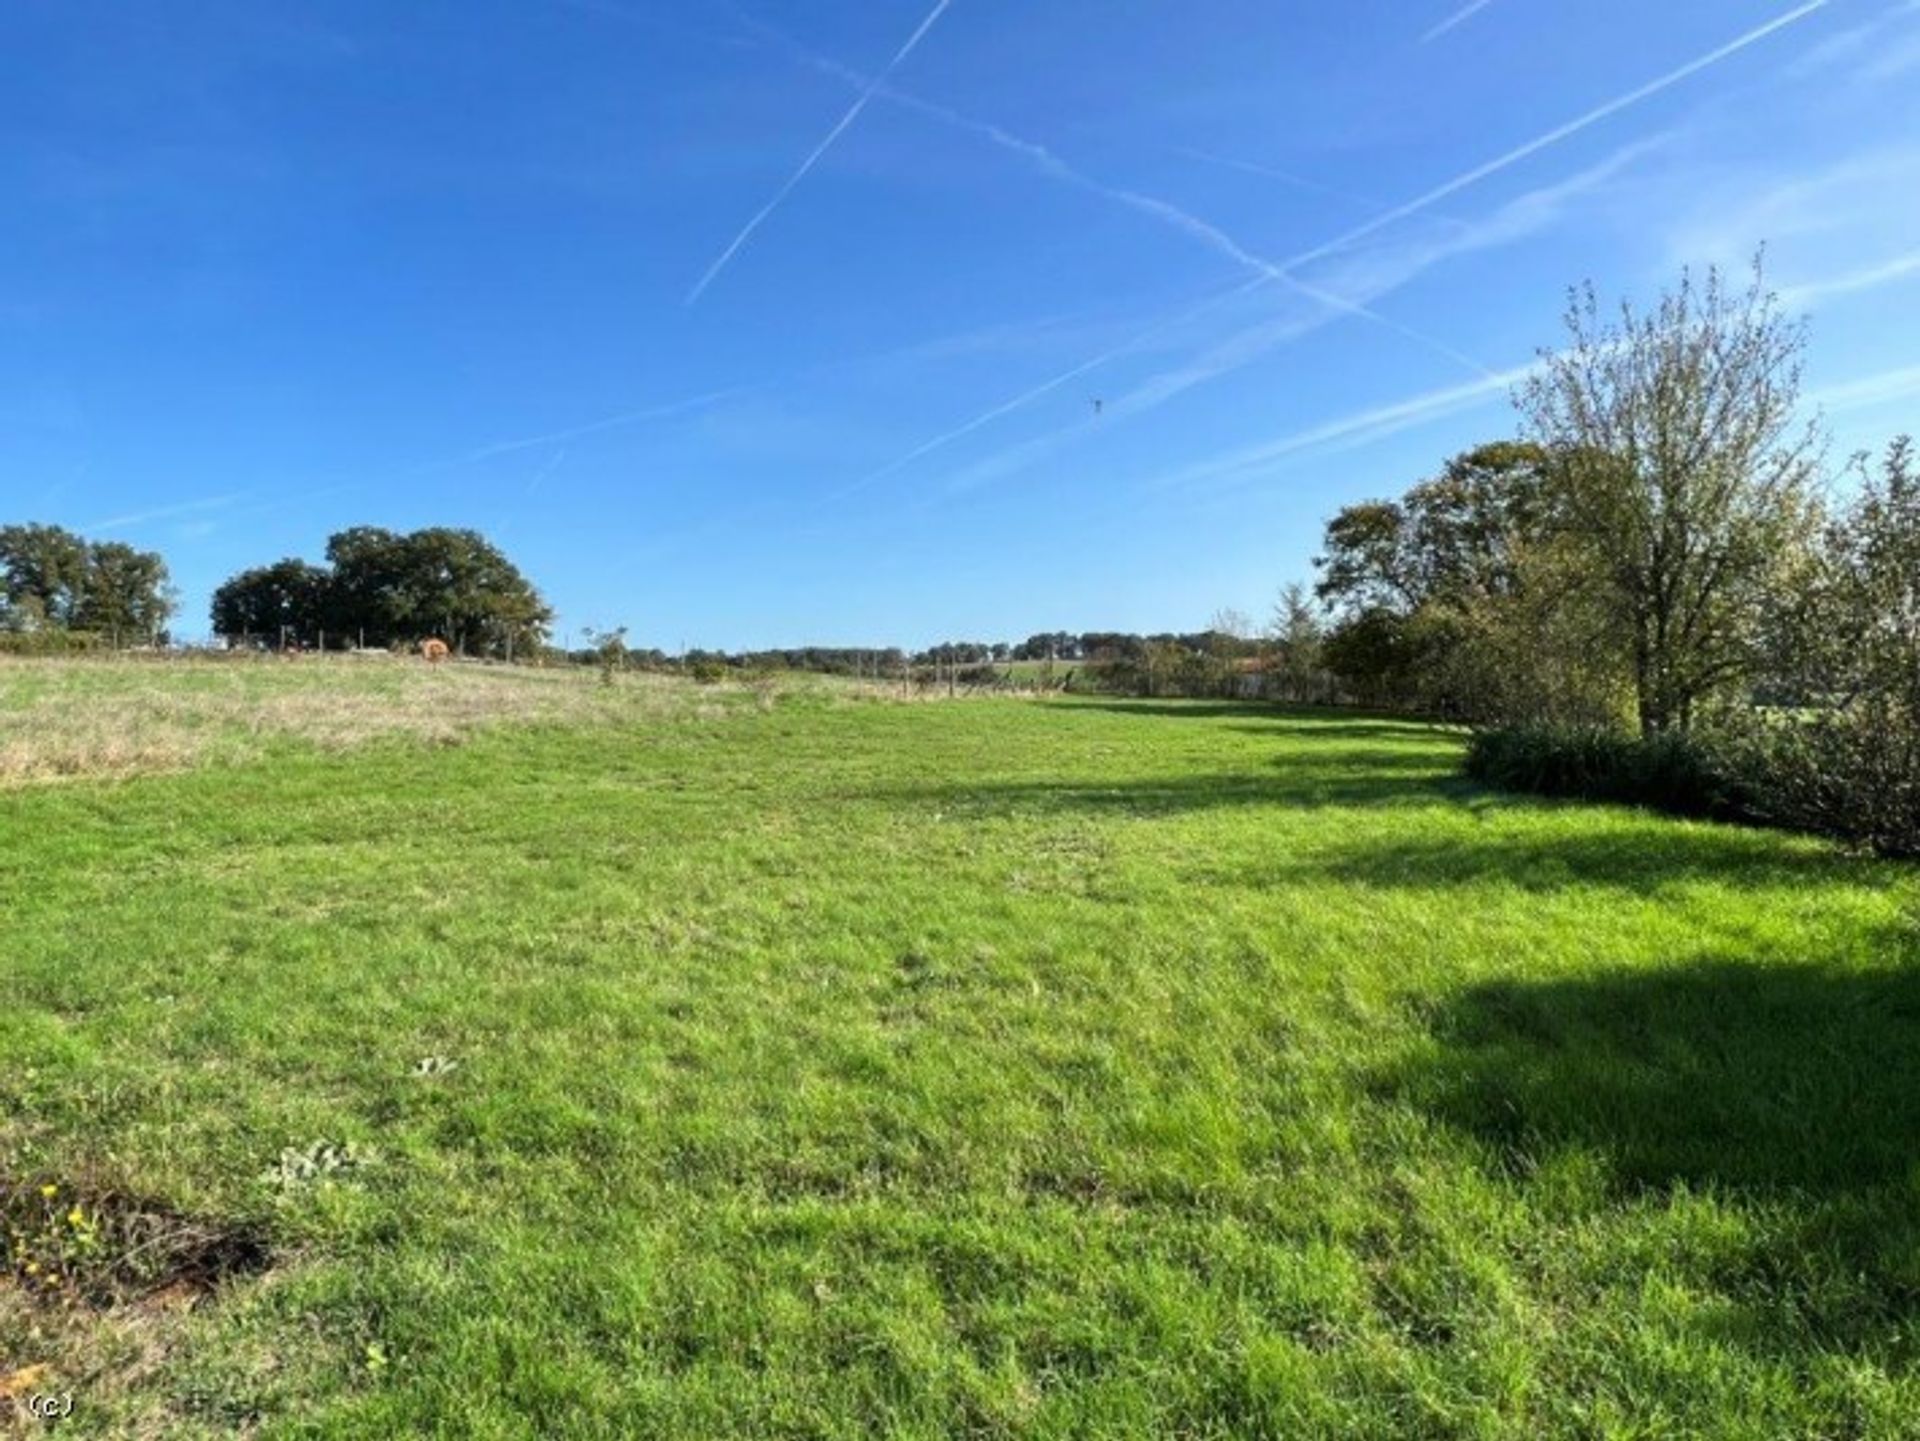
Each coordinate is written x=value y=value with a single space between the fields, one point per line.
x=1642 y=859
x=1359 y=779
x=1796 y=1087
x=1370 y=732
x=1306 y=722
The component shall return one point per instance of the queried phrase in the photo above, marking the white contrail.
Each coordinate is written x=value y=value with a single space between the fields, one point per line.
x=1212 y=235
x=1882 y=389
x=1051 y=165
x=1514 y=220
x=1400 y=212
x=1460 y=16
x=574 y=432
x=168 y=512
x=1273 y=172
x=1361 y=426
x=1555 y=136
x=853 y=113
x=1898 y=268
x=1026 y=397
x=554 y=462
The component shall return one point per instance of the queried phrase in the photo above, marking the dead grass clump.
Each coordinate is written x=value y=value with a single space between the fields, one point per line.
x=88 y=1246
x=94 y=1286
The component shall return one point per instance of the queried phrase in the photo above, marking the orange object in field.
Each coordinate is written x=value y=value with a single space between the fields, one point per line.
x=433 y=651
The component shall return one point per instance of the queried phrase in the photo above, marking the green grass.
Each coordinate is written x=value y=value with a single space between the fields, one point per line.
x=1012 y=1068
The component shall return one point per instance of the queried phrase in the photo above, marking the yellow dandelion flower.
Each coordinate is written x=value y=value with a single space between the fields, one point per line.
x=76 y=1217
x=49 y=1190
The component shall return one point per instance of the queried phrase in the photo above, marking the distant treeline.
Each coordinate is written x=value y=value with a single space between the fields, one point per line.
x=1056 y=646
x=1210 y=662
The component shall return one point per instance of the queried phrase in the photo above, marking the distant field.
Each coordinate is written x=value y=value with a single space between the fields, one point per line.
x=668 y=1062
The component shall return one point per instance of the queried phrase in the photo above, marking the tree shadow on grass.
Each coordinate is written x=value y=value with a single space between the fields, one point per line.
x=1306 y=722
x=1350 y=779
x=1643 y=859
x=1789 y=1090
x=1180 y=709
x=1316 y=729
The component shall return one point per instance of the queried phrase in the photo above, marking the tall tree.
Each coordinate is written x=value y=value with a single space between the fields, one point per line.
x=127 y=593
x=289 y=599
x=1297 y=642
x=1426 y=586
x=1449 y=537
x=369 y=595
x=43 y=575
x=1683 y=471
x=52 y=578
x=460 y=586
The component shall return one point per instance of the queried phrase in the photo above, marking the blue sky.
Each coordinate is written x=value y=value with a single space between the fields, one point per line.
x=783 y=323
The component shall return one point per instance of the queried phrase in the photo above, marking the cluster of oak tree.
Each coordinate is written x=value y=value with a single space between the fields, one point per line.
x=382 y=588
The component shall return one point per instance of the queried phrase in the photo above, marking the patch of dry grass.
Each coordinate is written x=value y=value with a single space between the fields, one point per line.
x=113 y=718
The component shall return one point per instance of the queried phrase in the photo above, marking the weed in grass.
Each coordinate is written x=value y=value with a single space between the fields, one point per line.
x=318 y=1162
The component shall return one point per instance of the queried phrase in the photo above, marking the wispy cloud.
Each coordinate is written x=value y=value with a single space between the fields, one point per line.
x=1358 y=428
x=1870 y=390
x=1901 y=267
x=1274 y=172
x=545 y=472
x=594 y=427
x=166 y=512
x=1138 y=341
x=1860 y=200
x=1573 y=127
x=1163 y=212
x=1370 y=275
x=1351 y=237
x=1883 y=46
x=1459 y=17
x=813 y=157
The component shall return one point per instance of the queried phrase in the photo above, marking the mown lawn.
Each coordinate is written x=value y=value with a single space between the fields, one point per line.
x=850 y=1068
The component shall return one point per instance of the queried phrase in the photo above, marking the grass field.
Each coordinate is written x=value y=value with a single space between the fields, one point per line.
x=711 y=1064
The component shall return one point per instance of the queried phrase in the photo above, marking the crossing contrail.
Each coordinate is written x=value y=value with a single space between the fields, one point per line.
x=1557 y=134
x=813 y=158
x=1379 y=222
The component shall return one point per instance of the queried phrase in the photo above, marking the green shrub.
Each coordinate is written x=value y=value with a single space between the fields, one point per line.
x=1852 y=775
x=1682 y=774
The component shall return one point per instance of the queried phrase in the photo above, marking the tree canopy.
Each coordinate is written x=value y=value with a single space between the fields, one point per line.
x=384 y=588
x=1682 y=470
x=52 y=579
x=1429 y=589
